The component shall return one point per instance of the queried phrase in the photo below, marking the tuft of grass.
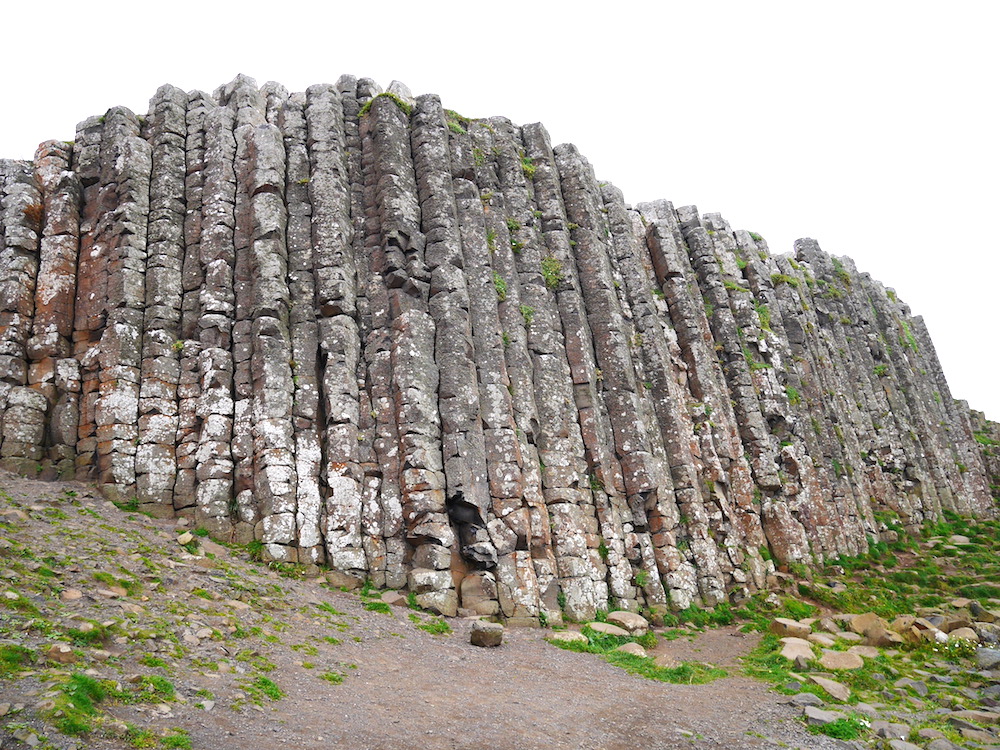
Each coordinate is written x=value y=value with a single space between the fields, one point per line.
x=334 y=678
x=434 y=626
x=378 y=606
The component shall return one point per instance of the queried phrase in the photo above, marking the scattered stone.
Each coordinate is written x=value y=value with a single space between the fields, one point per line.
x=60 y=653
x=834 y=689
x=836 y=660
x=818 y=717
x=489 y=634
x=635 y=624
x=804 y=699
x=960 y=602
x=793 y=648
x=868 y=652
x=988 y=658
x=888 y=730
x=393 y=598
x=782 y=626
x=70 y=595
x=186 y=538
x=903 y=745
x=965 y=634
x=958 y=539
x=919 y=688
x=980 y=717
x=608 y=629
x=942 y=743
x=632 y=648
x=861 y=623
x=821 y=639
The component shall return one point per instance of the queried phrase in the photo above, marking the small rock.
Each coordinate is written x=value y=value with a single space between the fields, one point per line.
x=861 y=623
x=834 y=689
x=608 y=629
x=918 y=687
x=958 y=539
x=965 y=634
x=70 y=595
x=840 y=660
x=804 y=699
x=60 y=653
x=782 y=626
x=888 y=730
x=981 y=717
x=821 y=639
x=632 y=648
x=186 y=538
x=988 y=658
x=793 y=648
x=393 y=598
x=4 y=709
x=929 y=734
x=903 y=745
x=630 y=621
x=868 y=652
x=941 y=743
x=818 y=717
x=960 y=602
x=487 y=634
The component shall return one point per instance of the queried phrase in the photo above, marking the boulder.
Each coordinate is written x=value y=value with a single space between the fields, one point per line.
x=861 y=623
x=782 y=626
x=793 y=648
x=488 y=634
x=817 y=717
x=965 y=634
x=630 y=621
x=821 y=639
x=834 y=689
x=988 y=658
x=608 y=629
x=840 y=660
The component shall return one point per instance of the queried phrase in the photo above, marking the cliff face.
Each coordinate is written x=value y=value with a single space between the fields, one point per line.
x=438 y=353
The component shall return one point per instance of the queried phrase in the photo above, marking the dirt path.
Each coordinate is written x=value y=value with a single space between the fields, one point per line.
x=213 y=626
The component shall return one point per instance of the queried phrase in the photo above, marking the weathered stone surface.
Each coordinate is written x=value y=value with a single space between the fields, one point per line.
x=840 y=660
x=835 y=689
x=487 y=634
x=988 y=658
x=782 y=626
x=608 y=629
x=632 y=648
x=630 y=621
x=451 y=359
x=796 y=648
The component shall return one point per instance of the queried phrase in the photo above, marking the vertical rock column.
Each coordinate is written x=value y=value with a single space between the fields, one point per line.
x=156 y=462
x=261 y=180
x=678 y=283
x=207 y=377
x=333 y=277
x=414 y=387
x=304 y=331
x=621 y=509
x=525 y=582
x=560 y=448
x=192 y=280
x=22 y=409
x=120 y=236
x=463 y=445
x=53 y=371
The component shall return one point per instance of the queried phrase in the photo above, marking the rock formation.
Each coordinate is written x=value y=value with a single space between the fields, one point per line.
x=371 y=334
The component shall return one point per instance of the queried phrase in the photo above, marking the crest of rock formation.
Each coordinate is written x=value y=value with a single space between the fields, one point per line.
x=438 y=353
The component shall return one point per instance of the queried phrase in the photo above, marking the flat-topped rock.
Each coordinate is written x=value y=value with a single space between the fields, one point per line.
x=782 y=626
x=608 y=629
x=833 y=688
x=630 y=621
x=840 y=660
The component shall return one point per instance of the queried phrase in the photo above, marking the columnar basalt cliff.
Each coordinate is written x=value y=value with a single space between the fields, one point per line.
x=436 y=352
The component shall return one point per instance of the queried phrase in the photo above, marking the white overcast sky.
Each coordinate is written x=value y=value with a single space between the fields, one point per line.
x=870 y=126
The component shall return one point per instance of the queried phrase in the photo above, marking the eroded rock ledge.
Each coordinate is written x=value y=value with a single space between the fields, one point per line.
x=438 y=353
